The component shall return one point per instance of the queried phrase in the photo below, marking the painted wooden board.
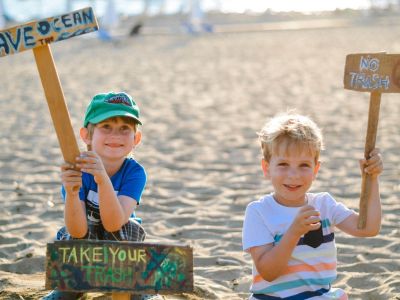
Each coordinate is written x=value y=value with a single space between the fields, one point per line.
x=45 y=31
x=372 y=72
x=108 y=266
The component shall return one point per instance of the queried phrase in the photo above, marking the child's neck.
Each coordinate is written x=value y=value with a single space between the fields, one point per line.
x=291 y=203
x=113 y=166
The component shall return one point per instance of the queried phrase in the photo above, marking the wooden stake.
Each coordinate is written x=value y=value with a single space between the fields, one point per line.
x=373 y=118
x=121 y=296
x=56 y=102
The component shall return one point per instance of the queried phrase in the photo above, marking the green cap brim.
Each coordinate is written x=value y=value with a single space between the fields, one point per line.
x=111 y=114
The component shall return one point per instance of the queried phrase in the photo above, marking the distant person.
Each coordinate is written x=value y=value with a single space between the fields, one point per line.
x=101 y=198
x=2 y=17
x=136 y=29
x=109 y=21
x=290 y=232
x=196 y=21
x=138 y=25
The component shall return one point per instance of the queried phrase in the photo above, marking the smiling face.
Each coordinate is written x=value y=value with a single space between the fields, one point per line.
x=112 y=139
x=292 y=168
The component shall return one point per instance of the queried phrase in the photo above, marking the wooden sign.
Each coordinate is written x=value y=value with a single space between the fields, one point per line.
x=373 y=72
x=36 y=36
x=108 y=266
x=376 y=73
x=45 y=31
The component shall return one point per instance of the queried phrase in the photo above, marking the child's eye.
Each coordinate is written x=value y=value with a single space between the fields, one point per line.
x=282 y=164
x=125 y=129
x=105 y=128
x=305 y=166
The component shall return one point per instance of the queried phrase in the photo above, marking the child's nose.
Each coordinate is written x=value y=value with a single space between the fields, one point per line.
x=293 y=173
x=116 y=132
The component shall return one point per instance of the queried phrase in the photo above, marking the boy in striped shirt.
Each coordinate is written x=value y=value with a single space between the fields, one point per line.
x=290 y=232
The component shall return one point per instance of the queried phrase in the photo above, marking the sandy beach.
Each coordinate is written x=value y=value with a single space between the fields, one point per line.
x=202 y=99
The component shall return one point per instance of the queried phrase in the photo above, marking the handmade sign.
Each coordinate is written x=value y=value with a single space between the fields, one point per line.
x=108 y=266
x=375 y=73
x=36 y=36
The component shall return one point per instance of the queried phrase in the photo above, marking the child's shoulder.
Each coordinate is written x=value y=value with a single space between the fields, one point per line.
x=319 y=196
x=131 y=163
x=131 y=166
x=322 y=199
x=263 y=201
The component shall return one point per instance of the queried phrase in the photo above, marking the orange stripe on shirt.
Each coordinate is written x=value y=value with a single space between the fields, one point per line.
x=302 y=268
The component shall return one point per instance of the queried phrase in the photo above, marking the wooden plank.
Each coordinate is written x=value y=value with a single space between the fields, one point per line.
x=372 y=72
x=121 y=296
x=122 y=267
x=56 y=102
x=45 y=31
x=373 y=118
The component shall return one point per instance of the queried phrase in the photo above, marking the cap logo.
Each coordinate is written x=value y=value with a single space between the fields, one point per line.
x=119 y=99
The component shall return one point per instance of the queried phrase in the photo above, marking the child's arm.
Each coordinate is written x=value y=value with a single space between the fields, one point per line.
x=74 y=210
x=271 y=261
x=374 y=167
x=115 y=211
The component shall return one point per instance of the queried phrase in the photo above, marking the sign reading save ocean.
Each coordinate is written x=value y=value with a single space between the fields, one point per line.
x=45 y=31
x=83 y=265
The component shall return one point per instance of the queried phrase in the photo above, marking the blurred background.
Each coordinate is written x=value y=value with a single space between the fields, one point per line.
x=190 y=16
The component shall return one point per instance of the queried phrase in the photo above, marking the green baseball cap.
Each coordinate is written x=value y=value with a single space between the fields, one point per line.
x=104 y=106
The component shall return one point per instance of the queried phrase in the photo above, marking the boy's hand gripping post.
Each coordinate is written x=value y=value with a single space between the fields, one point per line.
x=376 y=73
x=37 y=36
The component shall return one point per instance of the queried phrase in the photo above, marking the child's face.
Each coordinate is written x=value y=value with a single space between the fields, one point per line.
x=291 y=171
x=114 y=139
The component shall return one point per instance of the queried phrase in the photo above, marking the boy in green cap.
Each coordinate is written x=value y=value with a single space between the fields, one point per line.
x=101 y=198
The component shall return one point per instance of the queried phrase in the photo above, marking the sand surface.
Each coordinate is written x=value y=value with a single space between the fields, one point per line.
x=203 y=98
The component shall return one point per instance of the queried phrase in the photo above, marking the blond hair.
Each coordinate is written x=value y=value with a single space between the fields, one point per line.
x=290 y=130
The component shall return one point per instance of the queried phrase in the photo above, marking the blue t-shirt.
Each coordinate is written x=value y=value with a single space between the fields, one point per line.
x=130 y=181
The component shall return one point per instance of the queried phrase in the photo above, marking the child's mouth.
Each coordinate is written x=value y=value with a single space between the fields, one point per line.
x=113 y=145
x=292 y=187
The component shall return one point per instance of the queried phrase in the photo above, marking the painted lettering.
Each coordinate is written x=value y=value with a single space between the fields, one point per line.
x=122 y=255
x=54 y=25
x=64 y=251
x=43 y=27
x=99 y=274
x=72 y=255
x=97 y=254
x=369 y=64
x=15 y=44
x=77 y=18
x=84 y=254
x=88 y=271
x=368 y=81
x=114 y=254
x=45 y=31
x=132 y=255
x=87 y=16
x=28 y=38
x=66 y=20
x=81 y=266
x=142 y=255
x=4 y=48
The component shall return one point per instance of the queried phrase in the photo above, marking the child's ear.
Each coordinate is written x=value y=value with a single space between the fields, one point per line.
x=265 y=168
x=316 y=169
x=84 y=133
x=138 y=137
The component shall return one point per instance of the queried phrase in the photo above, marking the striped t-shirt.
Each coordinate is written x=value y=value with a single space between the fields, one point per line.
x=310 y=271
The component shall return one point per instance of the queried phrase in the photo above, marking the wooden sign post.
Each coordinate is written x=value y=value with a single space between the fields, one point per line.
x=376 y=73
x=37 y=35
x=128 y=267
